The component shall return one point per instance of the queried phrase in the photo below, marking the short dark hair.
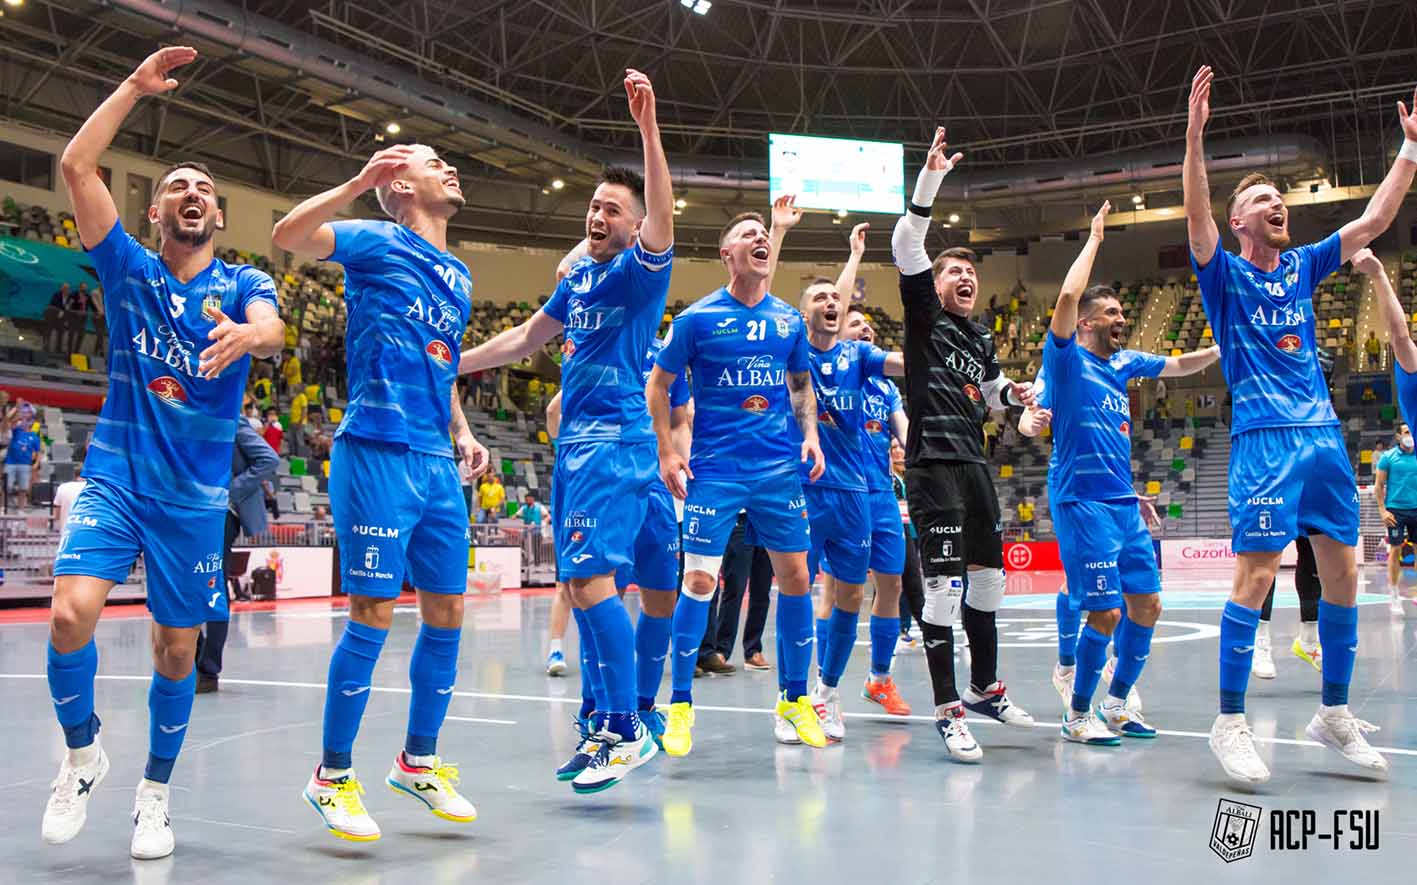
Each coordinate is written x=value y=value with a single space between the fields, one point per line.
x=1245 y=184
x=856 y=308
x=167 y=173
x=960 y=253
x=737 y=220
x=1093 y=294
x=627 y=178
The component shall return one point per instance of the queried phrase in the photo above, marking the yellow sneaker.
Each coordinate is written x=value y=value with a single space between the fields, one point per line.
x=1314 y=656
x=678 y=734
x=800 y=715
x=339 y=806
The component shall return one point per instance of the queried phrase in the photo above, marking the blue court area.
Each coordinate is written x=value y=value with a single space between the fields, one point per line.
x=884 y=804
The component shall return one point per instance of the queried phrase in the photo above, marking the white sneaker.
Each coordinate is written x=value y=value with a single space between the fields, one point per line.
x=1063 y=684
x=1338 y=729
x=906 y=644
x=1262 y=661
x=1233 y=744
x=784 y=732
x=434 y=786
x=615 y=758
x=1394 y=604
x=1109 y=670
x=68 y=807
x=152 y=829
x=1122 y=721
x=994 y=702
x=1086 y=728
x=827 y=702
x=339 y=806
x=959 y=743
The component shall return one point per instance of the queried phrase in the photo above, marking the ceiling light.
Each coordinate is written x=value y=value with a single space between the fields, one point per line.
x=1136 y=199
x=699 y=7
x=546 y=190
x=954 y=218
x=393 y=128
x=19 y=3
x=1140 y=207
x=680 y=203
x=557 y=184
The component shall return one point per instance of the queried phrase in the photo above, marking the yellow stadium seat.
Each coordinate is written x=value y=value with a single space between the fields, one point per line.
x=1365 y=456
x=1187 y=443
x=79 y=361
x=336 y=415
x=68 y=224
x=1175 y=351
x=61 y=240
x=1153 y=488
x=289 y=279
x=1207 y=333
x=542 y=438
x=1006 y=471
x=1335 y=323
x=325 y=468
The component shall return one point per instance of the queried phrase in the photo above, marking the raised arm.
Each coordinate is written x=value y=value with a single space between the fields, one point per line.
x=657 y=230
x=785 y=216
x=1190 y=363
x=474 y=454
x=846 y=280
x=673 y=465
x=1382 y=208
x=1389 y=309
x=94 y=210
x=1204 y=236
x=511 y=346
x=306 y=230
x=804 y=409
x=1065 y=314
x=908 y=238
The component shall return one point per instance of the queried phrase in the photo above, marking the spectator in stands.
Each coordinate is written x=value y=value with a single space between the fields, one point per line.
x=1372 y=348
x=490 y=497
x=533 y=515
x=290 y=372
x=301 y=402
x=251 y=412
x=253 y=462
x=1379 y=448
x=54 y=318
x=65 y=495
x=76 y=320
x=1395 y=490
x=22 y=458
x=1026 y=509
x=268 y=490
x=273 y=433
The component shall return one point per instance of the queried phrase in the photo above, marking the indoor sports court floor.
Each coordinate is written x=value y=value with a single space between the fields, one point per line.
x=885 y=806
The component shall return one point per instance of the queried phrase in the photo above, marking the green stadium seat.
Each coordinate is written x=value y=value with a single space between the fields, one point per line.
x=1178 y=464
x=297 y=466
x=1174 y=511
x=1388 y=414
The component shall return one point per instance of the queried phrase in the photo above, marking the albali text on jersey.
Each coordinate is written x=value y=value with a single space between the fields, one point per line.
x=611 y=311
x=164 y=431
x=407 y=303
x=839 y=380
x=882 y=399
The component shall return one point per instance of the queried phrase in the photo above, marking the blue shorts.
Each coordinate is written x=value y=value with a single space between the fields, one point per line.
x=397 y=513
x=181 y=546
x=887 y=533
x=600 y=495
x=656 y=564
x=1290 y=481
x=841 y=532
x=777 y=514
x=1107 y=552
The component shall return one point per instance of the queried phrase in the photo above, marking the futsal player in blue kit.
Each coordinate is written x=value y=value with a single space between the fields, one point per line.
x=746 y=352
x=1107 y=551
x=182 y=328
x=395 y=490
x=1289 y=468
x=609 y=305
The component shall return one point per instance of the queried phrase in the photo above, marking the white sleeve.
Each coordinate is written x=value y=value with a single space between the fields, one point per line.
x=908 y=239
x=994 y=391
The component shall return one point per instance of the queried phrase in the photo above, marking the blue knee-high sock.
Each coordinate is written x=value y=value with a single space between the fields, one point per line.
x=615 y=643
x=651 y=648
x=169 y=708
x=842 y=632
x=592 y=679
x=690 y=621
x=794 y=637
x=1338 y=634
x=1237 y=648
x=1091 y=656
x=347 y=692
x=1068 y=623
x=1133 y=642
x=432 y=670
x=71 y=688
x=823 y=635
x=883 y=635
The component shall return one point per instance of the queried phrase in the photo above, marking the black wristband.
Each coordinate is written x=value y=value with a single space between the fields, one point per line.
x=917 y=209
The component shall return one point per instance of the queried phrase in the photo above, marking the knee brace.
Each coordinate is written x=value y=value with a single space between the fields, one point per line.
x=942 y=601
x=697 y=562
x=986 y=589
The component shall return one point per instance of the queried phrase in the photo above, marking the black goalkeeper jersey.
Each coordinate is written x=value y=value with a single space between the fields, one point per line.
x=948 y=360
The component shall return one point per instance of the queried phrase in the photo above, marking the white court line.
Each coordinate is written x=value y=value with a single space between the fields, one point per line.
x=477 y=719
x=227 y=823
x=876 y=717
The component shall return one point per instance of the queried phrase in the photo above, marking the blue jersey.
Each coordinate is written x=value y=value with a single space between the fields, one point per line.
x=408 y=304
x=23 y=445
x=1092 y=422
x=881 y=401
x=164 y=431
x=679 y=389
x=611 y=311
x=1264 y=324
x=739 y=358
x=839 y=378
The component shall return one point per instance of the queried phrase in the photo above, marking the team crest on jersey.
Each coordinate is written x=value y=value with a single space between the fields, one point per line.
x=210 y=305
x=783 y=329
x=1126 y=428
x=1291 y=278
x=873 y=426
x=211 y=582
x=1290 y=343
x=827 y=419
x=842 y=362
x=973 y=393
x=577 y=537
x=756 y=404
x=439 y=352
x=169 y=390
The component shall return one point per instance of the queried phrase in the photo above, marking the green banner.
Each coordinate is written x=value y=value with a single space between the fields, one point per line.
x=31 y=272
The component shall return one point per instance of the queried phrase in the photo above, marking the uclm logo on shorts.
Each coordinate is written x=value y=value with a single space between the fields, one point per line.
x=439 y=352
x=973 y=393
x=1290 y=343
x=756 y=404
x=168 y=390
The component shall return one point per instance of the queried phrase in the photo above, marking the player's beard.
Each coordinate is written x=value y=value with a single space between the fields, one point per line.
x=1276 y=240
x=172 y=230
